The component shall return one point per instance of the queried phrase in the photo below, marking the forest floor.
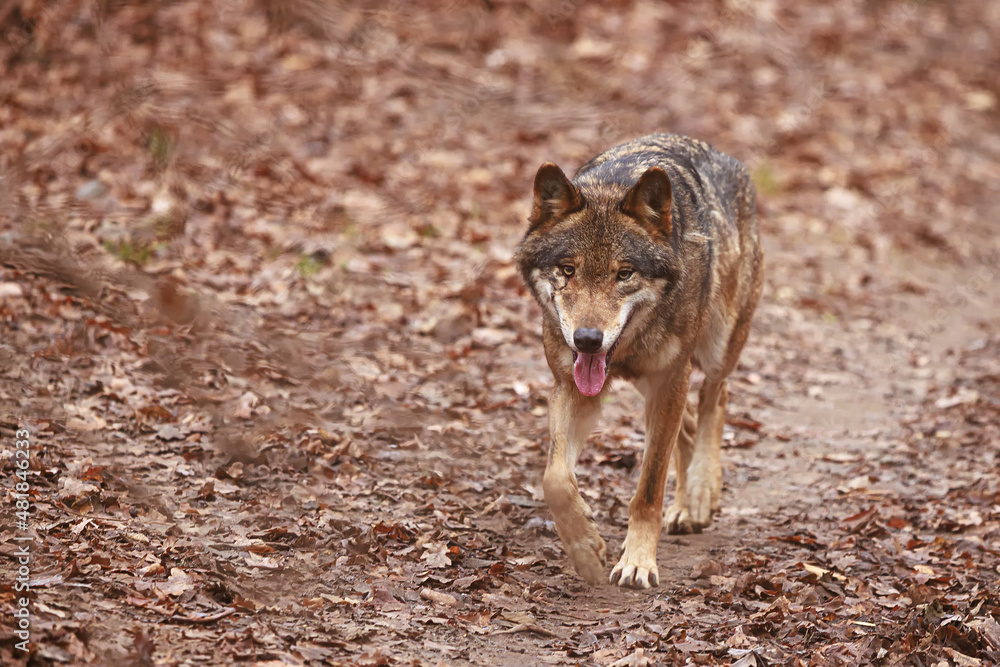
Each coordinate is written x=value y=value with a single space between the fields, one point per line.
x=285 y=392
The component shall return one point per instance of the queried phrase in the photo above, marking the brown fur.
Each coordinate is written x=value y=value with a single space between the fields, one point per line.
x=654 y=244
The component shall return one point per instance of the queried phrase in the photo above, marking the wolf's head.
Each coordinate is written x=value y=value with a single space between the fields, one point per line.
x=597 y=257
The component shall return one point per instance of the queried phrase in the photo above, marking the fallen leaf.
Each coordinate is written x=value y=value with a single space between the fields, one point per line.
x=636 y=659
x=170 y=432
x=527 y=627
x=706 y=569
x=178 y=582
x=244 y=408
x=436 y=556
x=72 y=489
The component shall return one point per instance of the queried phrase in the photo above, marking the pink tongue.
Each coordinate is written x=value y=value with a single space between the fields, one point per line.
x=589 y=373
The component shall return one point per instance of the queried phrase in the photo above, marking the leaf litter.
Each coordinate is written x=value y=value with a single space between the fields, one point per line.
x=287 y=395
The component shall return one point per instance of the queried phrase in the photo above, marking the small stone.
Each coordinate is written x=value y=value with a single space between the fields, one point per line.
x=980 y=100
x=8 y=290
x=92 y=189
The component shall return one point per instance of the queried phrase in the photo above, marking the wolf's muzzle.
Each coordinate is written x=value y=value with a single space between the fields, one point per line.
x=588 y=340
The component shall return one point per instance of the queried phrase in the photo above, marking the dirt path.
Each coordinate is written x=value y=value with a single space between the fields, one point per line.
x=865 y=379
x=824 y=421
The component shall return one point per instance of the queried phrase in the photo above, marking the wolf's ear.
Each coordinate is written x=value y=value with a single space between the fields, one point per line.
x=649 y=200
x=554 y=194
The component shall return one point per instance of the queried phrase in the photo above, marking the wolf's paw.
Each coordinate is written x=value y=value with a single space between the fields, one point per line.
x=636 y=568
x=677 y=520
x=588 y=557
x=700 y=507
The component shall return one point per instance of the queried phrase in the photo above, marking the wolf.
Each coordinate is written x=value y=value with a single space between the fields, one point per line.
x=646 y=265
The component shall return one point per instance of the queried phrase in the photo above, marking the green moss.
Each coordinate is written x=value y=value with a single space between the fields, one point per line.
x=764 y=179
x=160 y=146
x=429 y=231
x=308 y=266
x=131 y=253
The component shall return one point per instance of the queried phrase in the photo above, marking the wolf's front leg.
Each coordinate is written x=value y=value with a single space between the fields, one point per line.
x=571 y=419
x=665 y=401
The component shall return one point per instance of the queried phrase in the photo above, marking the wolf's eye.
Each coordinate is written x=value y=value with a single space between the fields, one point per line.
x=567 y=269
x=625 y=274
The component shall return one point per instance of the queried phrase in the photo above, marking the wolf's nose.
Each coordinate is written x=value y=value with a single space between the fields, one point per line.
x=588 y=340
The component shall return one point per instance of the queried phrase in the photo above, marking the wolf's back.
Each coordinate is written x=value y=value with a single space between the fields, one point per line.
x=702 y=177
